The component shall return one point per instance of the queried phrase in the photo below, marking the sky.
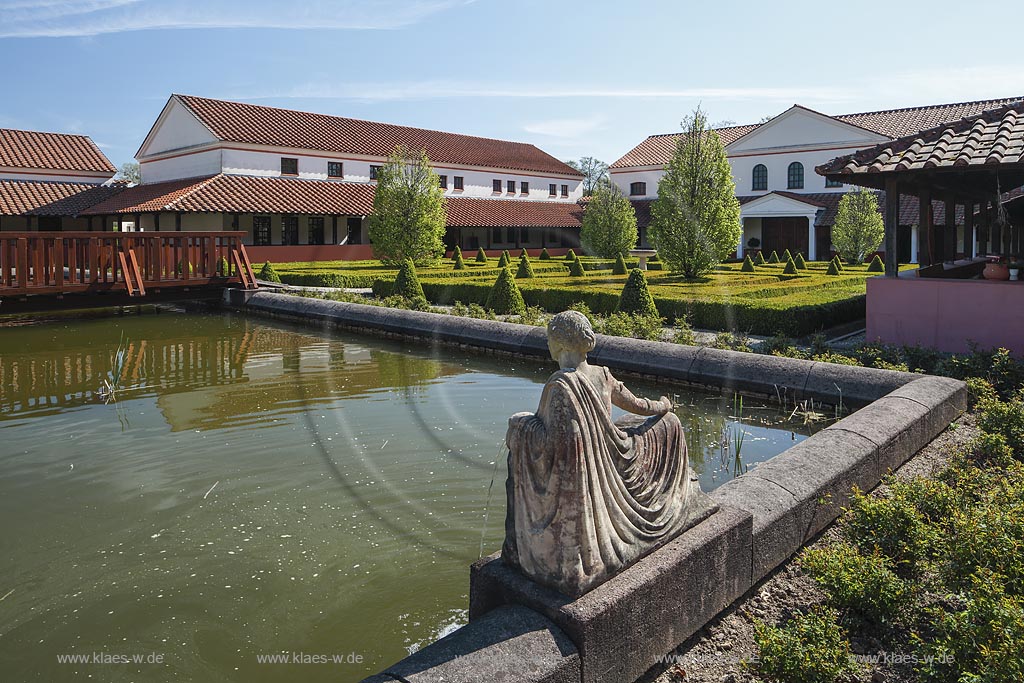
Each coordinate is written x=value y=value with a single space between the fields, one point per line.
x=575 y=78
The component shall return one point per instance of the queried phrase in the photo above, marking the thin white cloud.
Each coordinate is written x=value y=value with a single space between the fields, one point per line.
x=67 y=18
x=426 y=90
x=567 y=129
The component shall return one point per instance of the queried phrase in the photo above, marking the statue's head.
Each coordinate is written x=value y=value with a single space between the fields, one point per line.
x=570 y=338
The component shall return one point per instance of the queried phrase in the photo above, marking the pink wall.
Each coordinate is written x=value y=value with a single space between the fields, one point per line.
x=470 y=254
x=946 y=314
x=310 y=252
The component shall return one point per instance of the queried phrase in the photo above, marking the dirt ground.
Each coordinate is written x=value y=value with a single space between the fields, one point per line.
x=719 y=652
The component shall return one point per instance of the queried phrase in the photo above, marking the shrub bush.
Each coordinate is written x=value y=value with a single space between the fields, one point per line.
x=459 y=263
x=407 y=284
x=545 y=256
x=790 y=268
x=799 y=261
x=1005 y=419
x=833 y=269
x=636 y=297
x=773 y=258
x=327 y=278
x=570 y=255
x=524 y=253
x=505 y=297
x=748 y=265
x=620 y=266
x=864 y=584
x=481 y=255
x=223 y=269
x=576 y=269
x=267 y=273
x=811 y=648
x=525 y=270
x=631 y=325
x=876 y=265
x=504 y=260
x=786 y=257
x=759 y=259
x=456 y=253
x=893 y=526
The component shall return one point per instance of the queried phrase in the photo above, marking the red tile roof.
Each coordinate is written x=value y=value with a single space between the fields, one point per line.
x=57 y=151
x=657 y=149
x=44 y=198
x=259 y=125
x=992 y=138
x=467 y=212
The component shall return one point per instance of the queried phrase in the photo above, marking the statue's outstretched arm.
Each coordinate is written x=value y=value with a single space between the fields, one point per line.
x=624 y=398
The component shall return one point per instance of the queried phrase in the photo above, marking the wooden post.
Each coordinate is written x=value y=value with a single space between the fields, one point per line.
x=949 y=228
x=969 y=229
x=983 y=229
x=334 y=230
x=138 y=222
x=924 y=227
x=892 y=222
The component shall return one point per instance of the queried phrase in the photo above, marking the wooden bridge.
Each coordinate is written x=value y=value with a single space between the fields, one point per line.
x=37 y=269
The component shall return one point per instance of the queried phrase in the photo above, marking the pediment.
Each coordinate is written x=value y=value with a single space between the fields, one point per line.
x=773 y=204
x=175 y=128
x=799 y=127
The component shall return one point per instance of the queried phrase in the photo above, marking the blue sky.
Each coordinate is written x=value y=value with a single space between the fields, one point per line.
x=579 y=78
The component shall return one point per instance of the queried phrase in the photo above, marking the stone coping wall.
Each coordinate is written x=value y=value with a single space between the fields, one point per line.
x=520 y=631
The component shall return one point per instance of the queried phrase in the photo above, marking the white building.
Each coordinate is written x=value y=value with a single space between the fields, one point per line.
x=784 y=203
x=299 y=179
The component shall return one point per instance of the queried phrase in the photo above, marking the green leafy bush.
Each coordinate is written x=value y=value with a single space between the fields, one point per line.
x=980 y=391
x=505 y=297
x=505 y=259
x=748 y=265
x=858 y=582
x=773 y=258
x=876 y=265
x=545 y=256
x=326 y=278
x=790 y=268
x=576 y=269
x=456 y=253
x=223 y=269
x=525 y=270
x=759 y=259
x=786 y=256
x=459 y=263
x=267 y=273
x=407 y=284
x=833 y=269
x=570 y=255
x=620 y=266
x=524 y=253
x=893 y=526
x=1005 y=419
x=636 y=297
x=811 y=648
x=799 y=262
x=481 y=255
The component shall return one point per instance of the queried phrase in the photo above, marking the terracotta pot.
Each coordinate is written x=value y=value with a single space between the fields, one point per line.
x=996 y=271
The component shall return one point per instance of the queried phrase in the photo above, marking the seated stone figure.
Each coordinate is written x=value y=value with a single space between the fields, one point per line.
x=587 y=496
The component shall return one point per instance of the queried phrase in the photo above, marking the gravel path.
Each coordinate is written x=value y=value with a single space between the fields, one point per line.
x=716 y=654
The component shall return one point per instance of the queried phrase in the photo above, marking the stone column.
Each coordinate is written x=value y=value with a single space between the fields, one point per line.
x=812 y=247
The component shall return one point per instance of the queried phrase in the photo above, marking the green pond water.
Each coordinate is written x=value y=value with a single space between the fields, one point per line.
x=255 y=489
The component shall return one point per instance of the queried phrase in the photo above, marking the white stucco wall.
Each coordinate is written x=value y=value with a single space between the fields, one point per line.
x=203 y=163
x=175 y=129
x=52 y=175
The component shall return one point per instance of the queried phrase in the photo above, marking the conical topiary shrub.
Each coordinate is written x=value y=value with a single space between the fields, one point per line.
x=267 y=273
x=790 y=268
x=876 y=265
x=833 y=269
x=576 y=268
x=524 y=253
x=799 y=262
x=786 y=257
x=504 y=260
x=407 y=285
x=459 y=263
x=456 y=253
x=748 y=265
x=525 y=269
x=759 y=259
x=570 y=255
x=774 y=258
x=839 y=263
x=636 y=297
x=481 y=255
x=620 y=266
x=545 y=256
x=505 y=297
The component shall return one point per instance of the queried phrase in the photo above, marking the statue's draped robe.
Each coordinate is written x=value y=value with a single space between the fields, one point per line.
x=587 y=496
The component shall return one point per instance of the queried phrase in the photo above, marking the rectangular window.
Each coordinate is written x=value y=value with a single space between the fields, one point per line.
x=458 y=182
x=496 y=185
x=289 y=230
x=442 y=180
x=638 y=189
x=524 y=235
x=289 y=166
x=374 y=170
x=335 y=169
x=833 y=183
x=552 y=190
x=510 y=235
x=316 y=230
x=524 y=188
x=261 y=231
x=565 y=190
x=510 y=187
x=496 y=235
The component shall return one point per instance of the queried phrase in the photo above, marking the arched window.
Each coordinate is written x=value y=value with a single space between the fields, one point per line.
x=760 y=177
x=796 y=176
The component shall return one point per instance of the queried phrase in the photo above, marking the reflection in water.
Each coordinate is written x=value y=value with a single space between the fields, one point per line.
x=256 y=489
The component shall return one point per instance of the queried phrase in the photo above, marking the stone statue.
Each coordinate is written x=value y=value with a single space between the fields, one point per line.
x=587 y=496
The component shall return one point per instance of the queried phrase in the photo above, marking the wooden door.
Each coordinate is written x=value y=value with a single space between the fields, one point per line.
x=779 y=234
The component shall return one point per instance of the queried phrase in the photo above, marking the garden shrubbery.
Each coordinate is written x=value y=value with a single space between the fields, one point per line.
x=267 y=273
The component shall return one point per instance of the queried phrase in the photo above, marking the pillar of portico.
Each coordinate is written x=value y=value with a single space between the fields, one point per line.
x=812 y=247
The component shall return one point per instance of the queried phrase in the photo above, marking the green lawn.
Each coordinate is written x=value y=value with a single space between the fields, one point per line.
x=763 y=302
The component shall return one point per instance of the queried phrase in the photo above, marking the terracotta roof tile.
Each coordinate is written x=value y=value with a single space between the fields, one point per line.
x=992 y=137
x=44 y=198
x=464 y=212
x=58 y=151
x=657 y=149
x=255 y=124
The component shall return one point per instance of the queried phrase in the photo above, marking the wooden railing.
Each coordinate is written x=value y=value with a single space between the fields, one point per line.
x=66 y=262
